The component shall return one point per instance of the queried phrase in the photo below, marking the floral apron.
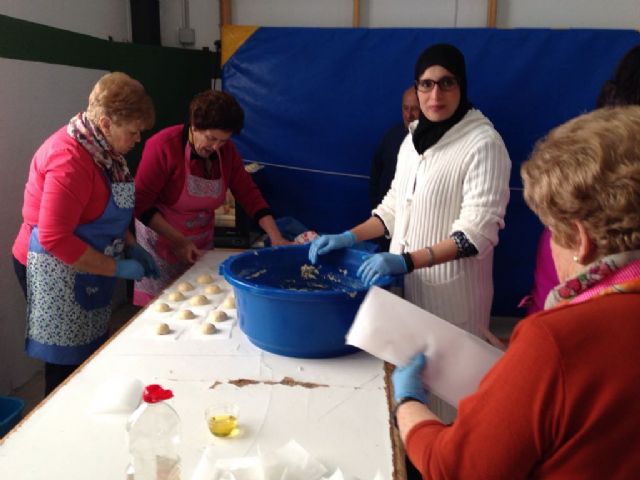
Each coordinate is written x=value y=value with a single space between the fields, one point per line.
x=68 y=311
x=193 y=216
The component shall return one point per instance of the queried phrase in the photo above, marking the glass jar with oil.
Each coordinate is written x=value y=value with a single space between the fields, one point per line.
x=222 y=419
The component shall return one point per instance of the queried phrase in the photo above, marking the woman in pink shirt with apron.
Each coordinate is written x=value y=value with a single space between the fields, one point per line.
x=182 y=178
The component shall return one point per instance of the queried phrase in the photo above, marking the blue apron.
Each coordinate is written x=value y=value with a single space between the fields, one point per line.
x=68 y=311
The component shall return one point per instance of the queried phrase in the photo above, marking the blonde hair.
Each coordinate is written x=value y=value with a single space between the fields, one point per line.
x=122 y=99
x=588 y=169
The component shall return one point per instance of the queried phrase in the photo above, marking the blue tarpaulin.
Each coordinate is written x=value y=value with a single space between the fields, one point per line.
x=318 y=101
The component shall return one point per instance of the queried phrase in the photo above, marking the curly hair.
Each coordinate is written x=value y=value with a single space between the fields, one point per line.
x=122 y=99
x=588 y=169
x=216 y=110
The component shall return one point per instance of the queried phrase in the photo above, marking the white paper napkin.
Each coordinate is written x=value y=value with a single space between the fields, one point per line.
x=394 y=330
x=289 y=462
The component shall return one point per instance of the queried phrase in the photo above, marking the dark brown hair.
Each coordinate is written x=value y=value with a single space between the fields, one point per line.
x=216 y=110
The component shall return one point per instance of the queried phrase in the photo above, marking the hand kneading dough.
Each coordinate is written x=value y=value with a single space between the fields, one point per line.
x=207 y=328
x=212 y=289
x=205 y=278
x=176 y=297
x=217 y=316
x=199 y=300
x=186 y=315
x=185 y=287
x=162 y=329
x=229 y=302
x=162 y=307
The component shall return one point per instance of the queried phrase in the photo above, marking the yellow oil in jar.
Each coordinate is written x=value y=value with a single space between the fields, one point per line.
x=222 y=425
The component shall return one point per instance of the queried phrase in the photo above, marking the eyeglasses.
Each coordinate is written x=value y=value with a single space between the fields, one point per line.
x=445 y=84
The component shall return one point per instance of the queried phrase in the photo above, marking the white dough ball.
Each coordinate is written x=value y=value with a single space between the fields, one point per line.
x=185 y=287
x=218 y=316
x=199 y=300
x=205 y=278
x=162 y=329
x=186 y=315
x=176 y=297
x=229 y=302
x=162 y=307
x=213 y=289
x=207 y=328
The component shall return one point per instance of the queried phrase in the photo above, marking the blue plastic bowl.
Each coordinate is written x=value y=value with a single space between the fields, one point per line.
x=293 y=311
x=10 y=413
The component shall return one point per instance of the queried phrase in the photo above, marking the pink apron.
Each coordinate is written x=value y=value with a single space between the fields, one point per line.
x=192 y=215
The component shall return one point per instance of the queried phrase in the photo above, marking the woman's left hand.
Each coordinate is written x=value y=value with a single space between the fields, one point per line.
x=138 y=253
x=379 y=265
x=407 y=380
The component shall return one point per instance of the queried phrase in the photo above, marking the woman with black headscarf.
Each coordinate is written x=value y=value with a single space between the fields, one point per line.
x=446 y=202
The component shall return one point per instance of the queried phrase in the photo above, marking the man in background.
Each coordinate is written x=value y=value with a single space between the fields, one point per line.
x=383 y=166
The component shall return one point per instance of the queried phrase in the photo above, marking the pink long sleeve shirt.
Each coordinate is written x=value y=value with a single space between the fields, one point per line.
x=65 y=189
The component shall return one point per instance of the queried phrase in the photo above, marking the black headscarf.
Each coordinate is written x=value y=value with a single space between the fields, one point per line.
x=427 y=133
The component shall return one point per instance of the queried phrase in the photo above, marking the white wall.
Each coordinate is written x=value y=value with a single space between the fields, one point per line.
x=32 y=109
x=98 y=18
x=205 y=15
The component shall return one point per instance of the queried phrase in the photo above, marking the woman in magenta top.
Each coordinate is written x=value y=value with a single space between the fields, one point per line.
x=74 y=239
x=182 y=178
x=622 y=89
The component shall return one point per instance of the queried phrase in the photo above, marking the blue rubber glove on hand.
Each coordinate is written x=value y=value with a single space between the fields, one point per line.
x=129 y=269
x=327 y=243
x=138 y=253
x=379 y=265
x=407 y=380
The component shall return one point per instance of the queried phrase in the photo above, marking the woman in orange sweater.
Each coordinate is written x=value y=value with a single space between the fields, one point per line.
x=562 y=401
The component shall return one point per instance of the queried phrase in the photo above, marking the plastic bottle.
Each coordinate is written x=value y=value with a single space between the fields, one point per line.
x=153 y=430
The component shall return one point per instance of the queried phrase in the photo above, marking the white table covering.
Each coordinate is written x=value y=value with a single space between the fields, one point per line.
x=343 y=421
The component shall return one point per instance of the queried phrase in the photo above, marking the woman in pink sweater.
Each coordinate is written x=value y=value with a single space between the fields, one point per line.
x=74 y=239
x=562 y=401
x=182 y=178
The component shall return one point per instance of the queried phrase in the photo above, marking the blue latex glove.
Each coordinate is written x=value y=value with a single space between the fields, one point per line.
x=327 y=243
x=407 y=380
x=379 y=265
x=138 y=253
x=129 y=269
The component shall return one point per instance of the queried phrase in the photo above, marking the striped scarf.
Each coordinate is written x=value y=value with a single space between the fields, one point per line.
x=93 y=140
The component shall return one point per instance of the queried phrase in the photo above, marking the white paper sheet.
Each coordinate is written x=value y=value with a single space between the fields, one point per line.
x=394 y=330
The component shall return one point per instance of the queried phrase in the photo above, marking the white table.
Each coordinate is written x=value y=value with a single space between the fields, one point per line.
x=337 y=409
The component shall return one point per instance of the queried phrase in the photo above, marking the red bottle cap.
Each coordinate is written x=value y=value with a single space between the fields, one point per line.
x=155 y=393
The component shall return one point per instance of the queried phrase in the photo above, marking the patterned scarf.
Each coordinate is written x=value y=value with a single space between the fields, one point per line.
x=617 y=273
x=93 y=140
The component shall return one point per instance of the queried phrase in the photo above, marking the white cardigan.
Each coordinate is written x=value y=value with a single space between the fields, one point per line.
x=461 y=184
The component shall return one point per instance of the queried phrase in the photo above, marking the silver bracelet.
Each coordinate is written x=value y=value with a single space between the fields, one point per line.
x=432 y=257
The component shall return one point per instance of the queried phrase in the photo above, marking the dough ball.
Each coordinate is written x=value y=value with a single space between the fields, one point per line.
x=207 y=328
x=176 y=297
x=162 y=307
x=229 y=302
x=213 y=289
x=186 y=315
x=162 y=329
x=205 y=278
x=185 y=287
x=218 y=316
x=199 y=300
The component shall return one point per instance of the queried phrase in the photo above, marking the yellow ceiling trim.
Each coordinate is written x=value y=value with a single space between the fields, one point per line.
x=233 y=36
